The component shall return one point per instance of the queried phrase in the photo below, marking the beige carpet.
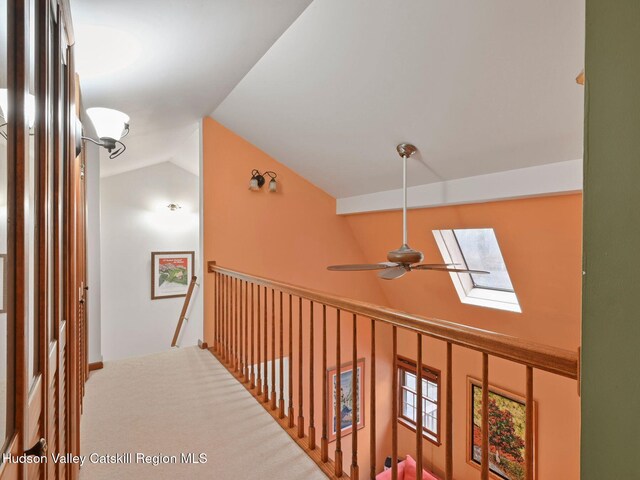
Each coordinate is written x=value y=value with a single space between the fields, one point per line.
x=183 y=401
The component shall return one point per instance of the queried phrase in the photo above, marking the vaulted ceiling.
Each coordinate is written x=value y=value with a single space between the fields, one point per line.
x=478 y=87
x=168 y=63
x=330 y=87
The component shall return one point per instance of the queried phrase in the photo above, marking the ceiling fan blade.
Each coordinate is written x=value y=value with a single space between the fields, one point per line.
x=360 y=267
x=393 y=273
x=455 y=270
x=443 y=265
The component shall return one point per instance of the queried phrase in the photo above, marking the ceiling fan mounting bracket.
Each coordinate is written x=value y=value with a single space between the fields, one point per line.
x=406 y=150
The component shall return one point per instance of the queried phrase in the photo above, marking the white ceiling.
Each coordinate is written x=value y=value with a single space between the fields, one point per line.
x=168 y=63
x=479 y=87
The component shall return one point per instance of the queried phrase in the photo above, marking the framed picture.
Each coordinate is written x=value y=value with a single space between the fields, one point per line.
x=3 y=283
x=171 y=273
x=507 y=421
x=346 y=396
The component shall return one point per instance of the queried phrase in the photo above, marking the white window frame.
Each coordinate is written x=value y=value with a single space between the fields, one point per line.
x=463 y=283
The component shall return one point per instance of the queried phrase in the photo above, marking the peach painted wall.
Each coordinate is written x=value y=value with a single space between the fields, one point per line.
x=292 y=236
x=540 y=240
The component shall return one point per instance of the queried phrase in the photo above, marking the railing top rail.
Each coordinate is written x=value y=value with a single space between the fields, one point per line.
x=543 y=357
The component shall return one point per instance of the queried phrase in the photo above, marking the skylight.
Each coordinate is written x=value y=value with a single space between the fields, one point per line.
x=478 y=249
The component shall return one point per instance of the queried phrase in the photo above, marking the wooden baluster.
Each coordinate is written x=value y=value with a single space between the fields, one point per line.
x=281 y=364
x=337 y=413
x=324 y=441
x=236 y=356
x=252 y=373
x=355 y=469
x=291 y=412
x=240 y=338
x=216 y=304
x=312 y=426
x=219 y=312
x=232 y=330
x=274 y=396
x=485 y=417
x=372 y=404
x=449 y=416
x=230 y=321
x=419 y=417
x=528 y=442
x=265 y=375
x=259 y=342
x=225 y=336
x=394 y=408
x=300 y=367
x=247 y=374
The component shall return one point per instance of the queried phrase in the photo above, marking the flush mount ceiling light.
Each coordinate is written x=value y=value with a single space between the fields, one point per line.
x=257 y=180
x=29 y=109
x=111 y=126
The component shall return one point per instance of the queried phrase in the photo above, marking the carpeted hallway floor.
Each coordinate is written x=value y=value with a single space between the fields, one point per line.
x=183 y=401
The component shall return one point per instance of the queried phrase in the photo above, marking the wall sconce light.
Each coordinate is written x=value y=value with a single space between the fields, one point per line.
x=173 y=207
x=257 y=180
x=29 y=110
x=111 y=126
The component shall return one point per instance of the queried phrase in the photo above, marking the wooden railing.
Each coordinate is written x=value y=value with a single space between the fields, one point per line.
x=244 y=304
x=185 y=309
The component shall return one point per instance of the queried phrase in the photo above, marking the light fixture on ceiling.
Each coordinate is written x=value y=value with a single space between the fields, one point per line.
x=29 y=109
x=111 y=126
x=173 y=207
x=258 y=180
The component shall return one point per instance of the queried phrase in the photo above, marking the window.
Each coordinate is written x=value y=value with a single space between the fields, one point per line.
x=407 y=414
x=478 y=249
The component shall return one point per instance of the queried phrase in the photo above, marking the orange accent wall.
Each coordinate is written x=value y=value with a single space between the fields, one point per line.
x=540 y=240
x=292 y=235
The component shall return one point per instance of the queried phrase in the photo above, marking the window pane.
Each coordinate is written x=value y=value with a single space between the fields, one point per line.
x=410 y=381
x=481 y=252
x=408 y=398
x=5 y=377
x=432 y=391
x=31 y=171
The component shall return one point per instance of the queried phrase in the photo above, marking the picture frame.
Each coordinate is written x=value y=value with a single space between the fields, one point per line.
x=346 y=382
x=171 y=273
x=3 y=283
x=506 y=460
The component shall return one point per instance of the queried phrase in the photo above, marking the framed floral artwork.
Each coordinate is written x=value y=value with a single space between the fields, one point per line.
x=507 y=427
x=171 y=273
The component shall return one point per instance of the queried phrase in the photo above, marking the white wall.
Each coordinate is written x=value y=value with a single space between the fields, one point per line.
x=92 y=179
x=136 y=222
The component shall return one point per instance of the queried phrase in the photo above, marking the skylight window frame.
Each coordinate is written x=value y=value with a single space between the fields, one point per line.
x=466 y=288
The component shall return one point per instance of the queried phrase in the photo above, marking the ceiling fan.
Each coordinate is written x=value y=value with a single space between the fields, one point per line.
x=405 y=258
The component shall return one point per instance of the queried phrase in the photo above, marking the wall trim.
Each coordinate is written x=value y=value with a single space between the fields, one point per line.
x=551 y=179
x=96 y=366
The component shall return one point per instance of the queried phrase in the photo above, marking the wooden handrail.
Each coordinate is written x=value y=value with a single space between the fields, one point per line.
x=183 y=313
x=551 y=359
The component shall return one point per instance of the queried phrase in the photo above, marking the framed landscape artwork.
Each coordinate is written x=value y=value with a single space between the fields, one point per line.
x=346 y=396
x=507 y=424
x=171 y=273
